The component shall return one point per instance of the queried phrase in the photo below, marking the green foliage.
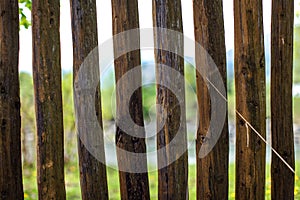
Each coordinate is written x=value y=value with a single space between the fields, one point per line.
x=149 y=100
x=23 y=6
x=27 y=118
x=68 y=105
x=71 y=157
x=27 y=105
x=297 y=54
x=107 y=89
x=69 y=117
x=27 y=3
x=73 y=184
x=296 y=110
x=297 y=11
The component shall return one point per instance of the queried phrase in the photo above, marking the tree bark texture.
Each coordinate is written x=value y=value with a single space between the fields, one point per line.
x=48 y=98
x=132 y=185
x=212 y=170
x=282 y=178
x=250 y=99
x=11 y=186
x=173 y=178
x=93 y=177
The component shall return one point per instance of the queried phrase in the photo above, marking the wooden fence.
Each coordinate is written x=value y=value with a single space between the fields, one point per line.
x=212 y=170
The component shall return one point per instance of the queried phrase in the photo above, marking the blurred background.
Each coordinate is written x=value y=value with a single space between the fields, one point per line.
x=149 y=92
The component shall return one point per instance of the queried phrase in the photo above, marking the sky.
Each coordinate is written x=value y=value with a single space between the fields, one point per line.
x=105 y=28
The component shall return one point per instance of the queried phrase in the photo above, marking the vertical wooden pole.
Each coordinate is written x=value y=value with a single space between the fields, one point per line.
x=172 y=179
x=48 y=99
x=250 y=99
x=93 y=178
x=132 y=185
x=11 y=186
x=212 y=170
x=282 y=182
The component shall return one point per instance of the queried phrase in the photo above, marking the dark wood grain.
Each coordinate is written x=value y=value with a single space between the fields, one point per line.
x=132 y=185
x=212 y=170
x=93 y=177
x=48 y=99
x=172 y=179
x=11 y=186
x=250 y=99
x=282 y=178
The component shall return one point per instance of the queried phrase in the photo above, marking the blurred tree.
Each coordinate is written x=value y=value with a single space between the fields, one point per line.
x=24 y=4
x=69 y=117
x=107 y=84
x=28 y=119
x=296 y=54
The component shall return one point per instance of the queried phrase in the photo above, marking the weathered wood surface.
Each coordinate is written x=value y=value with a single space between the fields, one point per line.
x=93 y=177
x=172 y=179
x=212 y=170
x=282 y=178
x=48 y=99
x=250 y=99
x=132 y=185
x=11 y=186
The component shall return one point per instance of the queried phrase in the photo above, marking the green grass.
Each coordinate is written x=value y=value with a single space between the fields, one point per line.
x=73 y=186
x=297 y=110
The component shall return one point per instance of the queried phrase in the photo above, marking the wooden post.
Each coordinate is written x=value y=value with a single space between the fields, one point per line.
x=11 y=186
x=93 y=178
x=132 y=185
x=250 y=99
x=48 y=99
x=172 y=179
x=282 y=178
x=212 y=170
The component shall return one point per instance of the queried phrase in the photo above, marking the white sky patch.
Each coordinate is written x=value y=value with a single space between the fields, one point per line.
x=145 y=12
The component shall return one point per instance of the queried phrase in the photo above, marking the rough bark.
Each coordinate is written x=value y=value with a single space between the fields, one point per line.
x=282 y=178
x=93 y=177
x=132 y=185
x=212 y=170
x=11 y=186
x=250 y=99
x=48 y=99
x=172 y=179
